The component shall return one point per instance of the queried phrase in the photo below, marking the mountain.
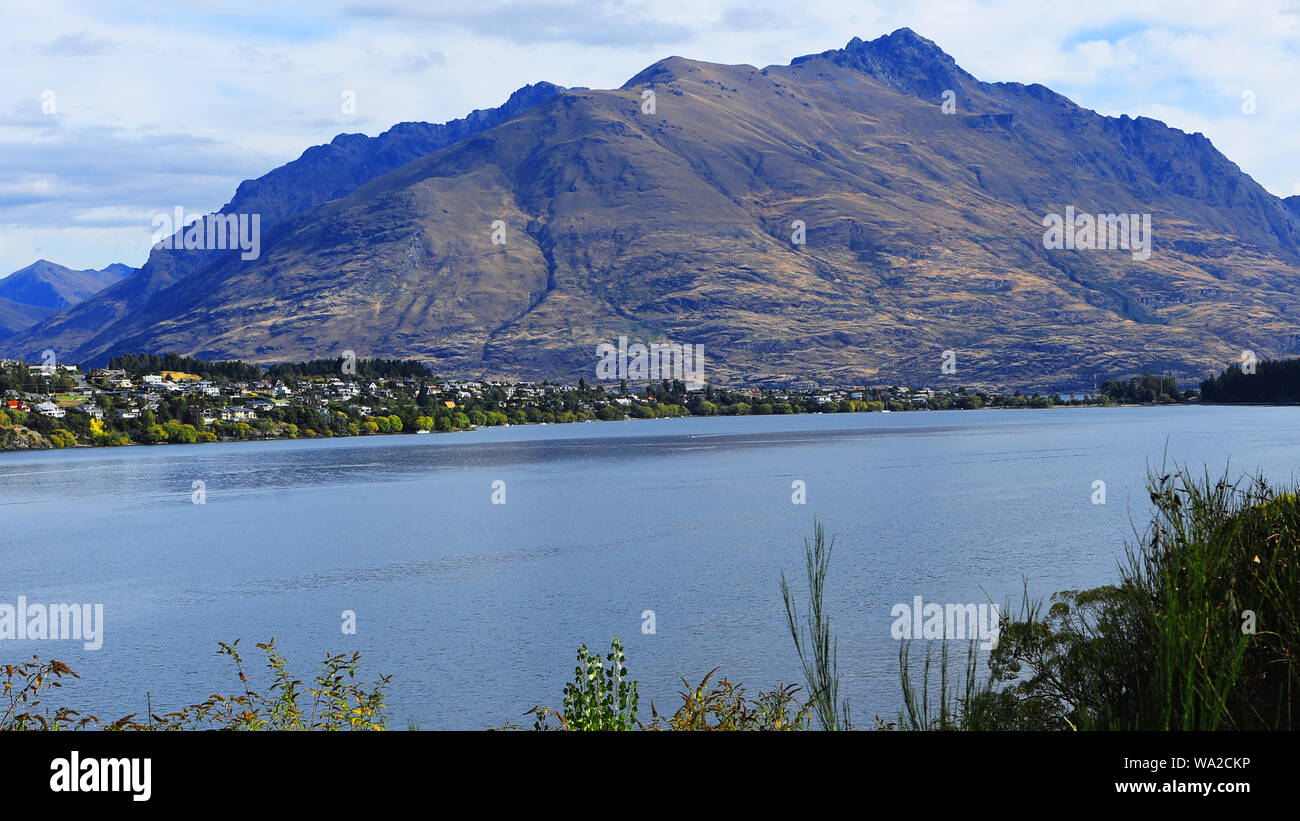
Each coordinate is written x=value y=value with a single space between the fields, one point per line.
x=47 y=285
x=322 y=173
x=15 y=316
x=40 y=290
x=924 y=233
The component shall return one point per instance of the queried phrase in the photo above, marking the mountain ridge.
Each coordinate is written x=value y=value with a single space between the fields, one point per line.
x=46 y=284
x=319 y=174
x=924 y=234
x=38 y=291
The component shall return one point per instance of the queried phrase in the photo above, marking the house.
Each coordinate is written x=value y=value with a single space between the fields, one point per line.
x=237 y=414
x=129 y=413
x=14 y=404
x=93 y=411
x=51 y=410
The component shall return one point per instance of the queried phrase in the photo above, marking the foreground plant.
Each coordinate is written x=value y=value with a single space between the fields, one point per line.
x=818 y=652
x=598 y=698
x=950 y=708
x=24 y=685
x=1202 y=633
x=723 y=706
x=336 y=700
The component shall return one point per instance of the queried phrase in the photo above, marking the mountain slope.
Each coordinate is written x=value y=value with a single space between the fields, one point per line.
x=322 y=173
x=15 y=316
x=37 y=292
x=924 y=233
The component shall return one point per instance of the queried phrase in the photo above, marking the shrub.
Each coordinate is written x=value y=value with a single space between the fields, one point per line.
x=598 y=698
x=1175 y=645
x=334 y=701
x=723 y=706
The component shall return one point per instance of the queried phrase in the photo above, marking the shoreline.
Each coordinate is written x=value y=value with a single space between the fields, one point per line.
x=234 y=440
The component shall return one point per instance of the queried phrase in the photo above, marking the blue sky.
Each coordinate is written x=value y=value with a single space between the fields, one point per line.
x=159 y=105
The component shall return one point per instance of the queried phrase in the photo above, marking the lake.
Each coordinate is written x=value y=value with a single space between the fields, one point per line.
x=477 y=608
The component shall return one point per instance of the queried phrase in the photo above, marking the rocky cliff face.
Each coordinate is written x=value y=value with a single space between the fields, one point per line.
x=20 y=438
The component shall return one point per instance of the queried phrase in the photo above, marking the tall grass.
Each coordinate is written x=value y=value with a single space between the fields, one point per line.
x=1218 y=557
x=1201 y=633
x=818 y=652
x=949 y=711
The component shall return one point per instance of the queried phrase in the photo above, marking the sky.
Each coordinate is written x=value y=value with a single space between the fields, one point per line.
x=112 y=113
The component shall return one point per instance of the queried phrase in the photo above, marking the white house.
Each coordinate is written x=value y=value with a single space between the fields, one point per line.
x=237 y=414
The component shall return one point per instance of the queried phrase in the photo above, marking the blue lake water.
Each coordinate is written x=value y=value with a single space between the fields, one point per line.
x=477 y=608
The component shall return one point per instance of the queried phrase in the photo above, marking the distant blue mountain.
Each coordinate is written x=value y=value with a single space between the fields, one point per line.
x=45 y=284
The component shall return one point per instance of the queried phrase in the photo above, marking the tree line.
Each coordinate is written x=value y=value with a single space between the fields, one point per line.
x=1272 y=381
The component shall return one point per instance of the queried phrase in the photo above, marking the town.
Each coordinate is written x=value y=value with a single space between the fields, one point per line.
x=143 y=399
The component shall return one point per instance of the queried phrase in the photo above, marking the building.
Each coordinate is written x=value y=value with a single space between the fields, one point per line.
x=237 y=414
x=51 y=410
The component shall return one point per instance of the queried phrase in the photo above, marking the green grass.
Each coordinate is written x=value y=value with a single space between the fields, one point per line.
x=1200 y=633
